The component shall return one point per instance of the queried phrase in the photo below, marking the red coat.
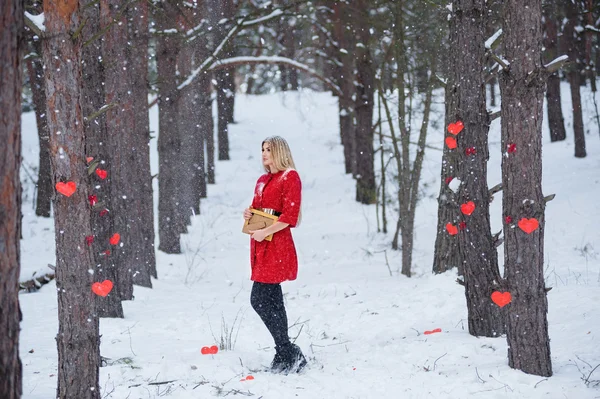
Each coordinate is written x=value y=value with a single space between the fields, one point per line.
x=275 y=261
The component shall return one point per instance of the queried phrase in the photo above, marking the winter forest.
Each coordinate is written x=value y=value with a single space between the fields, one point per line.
x=449 y=157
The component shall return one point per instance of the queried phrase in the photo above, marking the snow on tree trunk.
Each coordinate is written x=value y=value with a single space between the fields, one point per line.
x=522 y=87
x=364 y=103
x=556 y=120
x=77 y=339
x=476 y=249
x=167 y=48
x=11 y=41
x=142 y=237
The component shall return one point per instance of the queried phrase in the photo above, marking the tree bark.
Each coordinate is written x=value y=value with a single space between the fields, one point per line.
x=168 y=139
x=97 y=147
x=556 y=120
x=35 y=71
x=345 y=73
x=365 y=77
x=77 y=340
x=142 y=241
x=11 y=76
x=476 y=248
x=522 y=86
x=574 y=76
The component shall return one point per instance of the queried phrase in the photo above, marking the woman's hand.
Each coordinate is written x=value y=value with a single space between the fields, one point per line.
x=258 y=235
x=247 y=213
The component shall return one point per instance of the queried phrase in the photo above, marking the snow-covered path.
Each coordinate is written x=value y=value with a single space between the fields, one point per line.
x=362 y=328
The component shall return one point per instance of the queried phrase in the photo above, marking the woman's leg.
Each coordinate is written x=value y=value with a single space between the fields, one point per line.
x=267 y=301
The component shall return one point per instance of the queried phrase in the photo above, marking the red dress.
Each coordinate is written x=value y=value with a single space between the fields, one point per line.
x=275 y=261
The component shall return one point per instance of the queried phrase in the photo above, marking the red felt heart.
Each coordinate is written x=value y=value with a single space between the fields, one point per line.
x=107 y=252
x=462 y=225
x=101 y=173
x=528 y=225
x=93 y=200
x=114 y=240
x=501 y=298
x=508 y=219
x=103 y=212
x=471 y=151
x=89 y=240
x=456 y=127
x=89 y=159
x=102 y=288
x=437 y=330
x=452 y=230
x=450 y=142
x=512 y=147
x=449 y=179
x=467 y=208
x=67 y=189
x=249 y=377
x=209 y=350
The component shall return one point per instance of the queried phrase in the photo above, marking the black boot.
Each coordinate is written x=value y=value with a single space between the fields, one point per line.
x=290 y=359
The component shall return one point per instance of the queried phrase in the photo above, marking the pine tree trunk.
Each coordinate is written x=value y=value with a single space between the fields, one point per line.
x=142 y=241
x=168 y=138
x=522 y=87
x=574 y=77
x=77 y=339
x=225 y=79
x=556 y=120
x=36 y=74
x=11 y=76
x=364 y=104
x=345 y=80
x=96 y=147
x=475 y=243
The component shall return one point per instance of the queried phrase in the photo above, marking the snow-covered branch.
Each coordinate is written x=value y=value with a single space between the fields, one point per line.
x=260 y=20
x=493 y=40
x=35 y=23
x=275 y=60
x=556 y=64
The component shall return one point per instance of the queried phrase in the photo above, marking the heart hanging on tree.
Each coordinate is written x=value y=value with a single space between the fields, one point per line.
x=528 y=225
x=451 y=229
x=89 y=240
x=471 y=151
x=101 y=173
x=448 y=179
x=103 y=288
x=512 y=147
x=93 y=200
x=456 y=127
x=67 y=189
x=501 y=298
x=467 y=208
x=103 y=212
x=450 y=142
x=508 y=219
x=114 y=240
x=462 y=225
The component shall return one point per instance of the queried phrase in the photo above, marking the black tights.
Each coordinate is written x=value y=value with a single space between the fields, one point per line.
x=267 y=301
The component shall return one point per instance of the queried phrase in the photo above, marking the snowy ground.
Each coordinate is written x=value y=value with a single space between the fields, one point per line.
x=362 y=328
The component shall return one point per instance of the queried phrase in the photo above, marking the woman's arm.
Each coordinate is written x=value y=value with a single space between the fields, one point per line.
x=260 y=235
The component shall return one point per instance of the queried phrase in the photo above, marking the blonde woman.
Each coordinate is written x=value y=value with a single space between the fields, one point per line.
x=277 y=192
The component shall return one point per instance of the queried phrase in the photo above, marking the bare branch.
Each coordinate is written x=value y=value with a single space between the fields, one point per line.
x=494 y=115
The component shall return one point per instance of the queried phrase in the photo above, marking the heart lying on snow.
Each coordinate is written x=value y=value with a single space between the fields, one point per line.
x=67 y=189
x=528 y=225
x=209 y=350
x=102 y=288
x=437 y=330
x=501 y=298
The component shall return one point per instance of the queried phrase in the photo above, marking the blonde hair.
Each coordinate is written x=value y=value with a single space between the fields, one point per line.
x=280 y=153
x=282 y=158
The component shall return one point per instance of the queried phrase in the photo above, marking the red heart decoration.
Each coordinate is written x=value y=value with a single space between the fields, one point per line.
x=471 y=151
x=67 y=189
x=209 y=350
x=107 y=252
x=451 y=142
x=456 y=127
x=114 y=240
x=93 y=200
x=467 y=208
x=102 y=288
x=103 y=212
x=249 y=377
x=437 y=330
x=89 y=240
x=512 y=147
x=452 y=230
x=528 y=225
x=462 y=225
x=501 y=298
x=508 y=219
x=449 y=179
x=101 y=173
x=89 y=159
